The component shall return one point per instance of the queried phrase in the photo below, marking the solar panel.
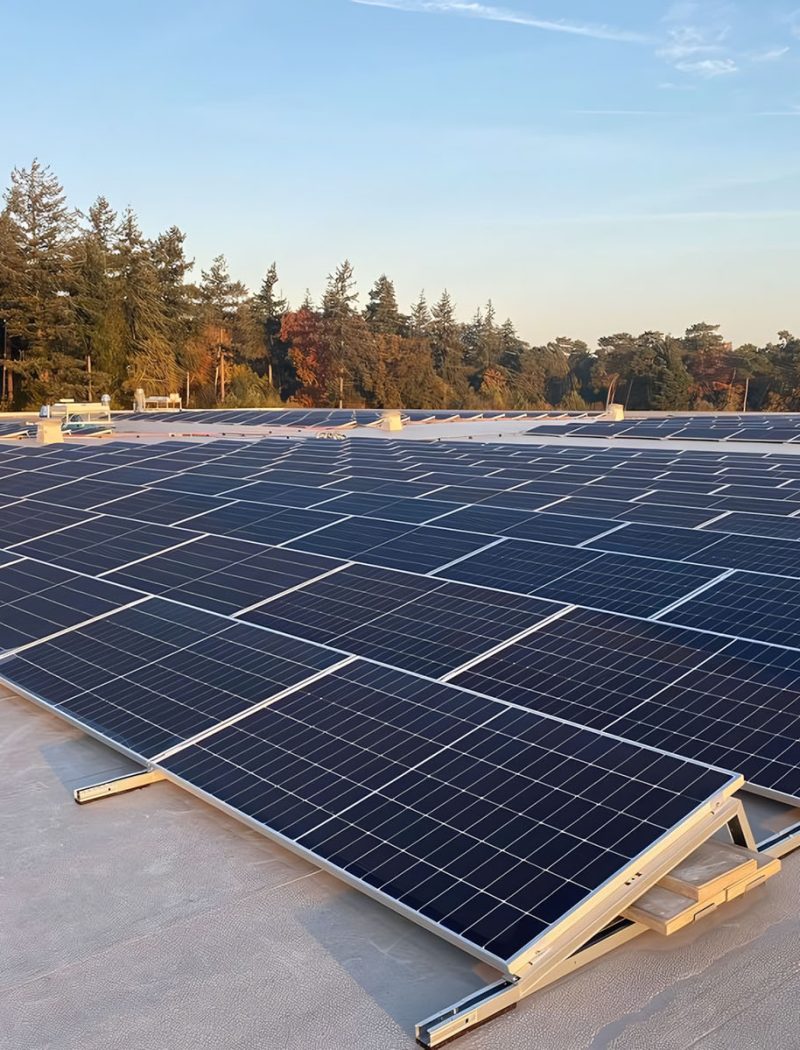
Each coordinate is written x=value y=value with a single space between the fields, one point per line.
x=262 y=523
x=84 y=494
x=485 y=823
x=665 y=514
x=416 y=511
x=26 y=484
x=746 y=605
x=201 y=484
x=391 y=544
x=756 y=554
x=591 y=667
x=157 y=674
x=663 y=542
x=517 y=565
x=161 y=508
x=557 y=528
x=422 y=625
x=223 y=574
x=586 y=507
x=145 y=474
x=36 y=600
x=102 y=544
x=13 y=430
x=27 y=519
x=278 y=495
x=633 y=585
x=756 y=525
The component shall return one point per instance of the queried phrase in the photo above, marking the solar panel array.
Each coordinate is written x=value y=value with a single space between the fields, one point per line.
x=705 y=427
x=479 y=681
x=335 y=418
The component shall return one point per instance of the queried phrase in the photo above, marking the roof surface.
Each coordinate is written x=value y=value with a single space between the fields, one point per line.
x=152 y=920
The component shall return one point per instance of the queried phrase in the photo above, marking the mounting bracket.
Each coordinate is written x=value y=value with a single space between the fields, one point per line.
x=118 y=786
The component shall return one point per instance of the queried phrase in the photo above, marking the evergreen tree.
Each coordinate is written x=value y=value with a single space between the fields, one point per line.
x=35 y=275
x=344 y=336
x=381 y=311
x=420 y=318
x=95 y=302
x=151 y=362
x=269 y=308
x=220 y=299
x=445 y=341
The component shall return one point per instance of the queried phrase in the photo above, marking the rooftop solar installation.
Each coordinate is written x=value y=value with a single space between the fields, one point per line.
x=483 y=683
x=209 y=672
x=25 y=519
x=401 y=619
x=222 y=574
x=103 y=544
x=487 y=821
x=38 y=600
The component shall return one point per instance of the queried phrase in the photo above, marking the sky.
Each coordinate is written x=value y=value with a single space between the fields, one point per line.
x=593 y=166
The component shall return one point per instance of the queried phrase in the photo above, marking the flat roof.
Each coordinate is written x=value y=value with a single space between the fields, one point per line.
x=151 y=919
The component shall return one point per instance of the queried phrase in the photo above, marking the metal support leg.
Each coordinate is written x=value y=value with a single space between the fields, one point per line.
x=116 y=787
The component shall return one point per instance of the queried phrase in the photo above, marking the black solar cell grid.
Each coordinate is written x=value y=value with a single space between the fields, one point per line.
x=262 y=523
x=37 y=600
x=422 y=625
x=745 y=524
x=746 y=605
x=103 y=544
x=174 y=673
x=741 y=708
x=278 y=495
x=490 y=822
x=26 y=519
x=85 y=494
x=417 y=511
x=162 y=507
x=591 y=667
x=392 y=544
x=223 y=574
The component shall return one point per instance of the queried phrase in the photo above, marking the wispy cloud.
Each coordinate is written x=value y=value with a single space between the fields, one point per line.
x=490 y=13
x=708 y=68
x=697 y=39
x=774 y=54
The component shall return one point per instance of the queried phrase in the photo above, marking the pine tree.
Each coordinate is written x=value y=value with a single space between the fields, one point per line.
x=35 y=275
x=150 y=358
x=445 y=341
x=220 y=298
x=381 y=311
x=269 y=308
x=96 y=306
x=341 y=330
x=420 y=317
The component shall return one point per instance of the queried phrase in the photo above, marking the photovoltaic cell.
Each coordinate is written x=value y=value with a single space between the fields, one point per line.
x=27 y=519
x=38 y=599
x=147 y=704
x=427 y=626
x=102 y=544
x=490 y=822
x=746 y=605
x=223 y=574
x=591 y=667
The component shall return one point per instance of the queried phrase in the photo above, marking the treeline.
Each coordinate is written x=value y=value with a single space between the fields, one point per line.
x=88 y=304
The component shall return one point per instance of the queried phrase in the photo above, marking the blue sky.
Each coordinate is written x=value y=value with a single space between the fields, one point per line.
x=592 y=166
